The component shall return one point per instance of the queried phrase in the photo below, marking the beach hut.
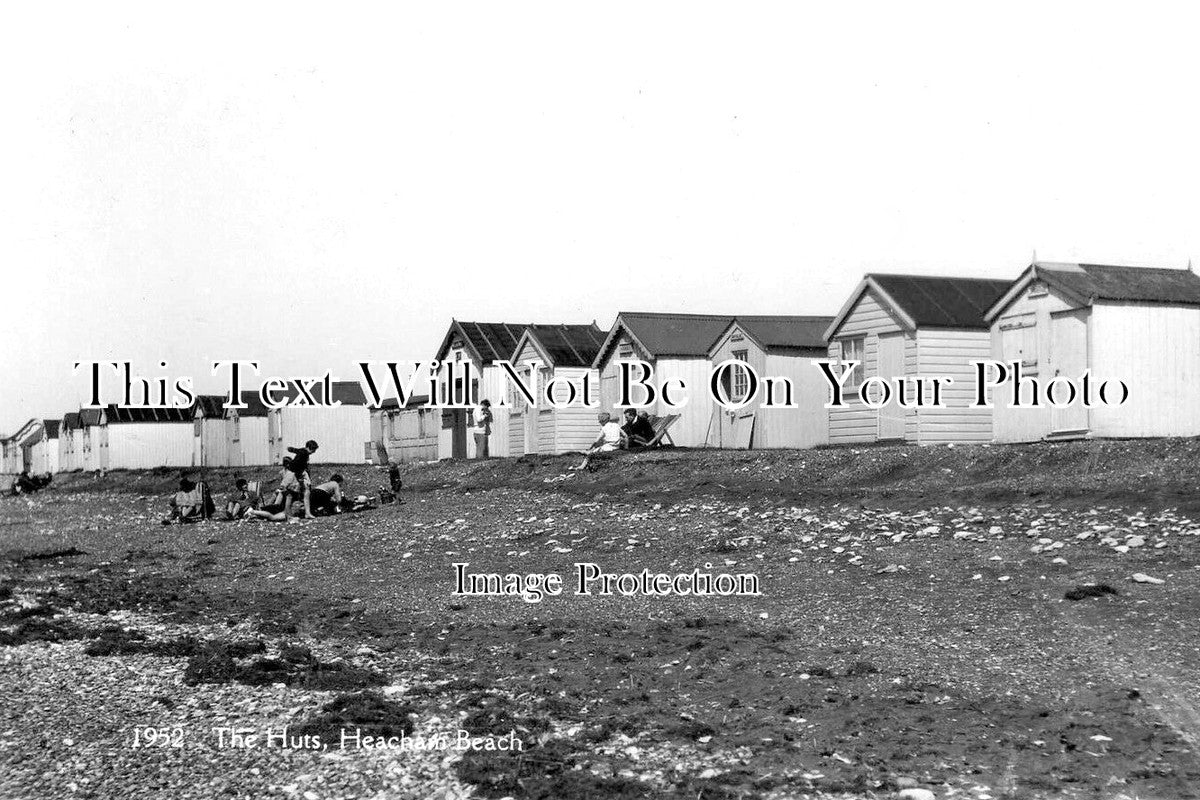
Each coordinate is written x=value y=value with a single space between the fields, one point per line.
x=90 y=420
x=782 y=350
x=677 y=346
x=70 y=442
x=4 y=454
x=210 y=444
x=904 y=326
x=246 y=428
x=343 y=432
x=18 y=453
x=480 y=345
x=145 y=438
x=43 y=451
x=406 y=434
x=1134 y=324
x=562 y=354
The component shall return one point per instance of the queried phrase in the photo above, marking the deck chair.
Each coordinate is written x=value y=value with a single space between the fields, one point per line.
x=661 y=427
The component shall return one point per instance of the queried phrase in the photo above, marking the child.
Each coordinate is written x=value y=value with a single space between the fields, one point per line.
x=185 y=504
x=242 y=500
x=327 y=498
x=299 y=468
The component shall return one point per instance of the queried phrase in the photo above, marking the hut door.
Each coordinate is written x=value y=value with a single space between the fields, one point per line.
x=891 y=365
x=1068 y=357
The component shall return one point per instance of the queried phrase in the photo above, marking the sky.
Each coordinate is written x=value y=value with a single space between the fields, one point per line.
x=309 y=187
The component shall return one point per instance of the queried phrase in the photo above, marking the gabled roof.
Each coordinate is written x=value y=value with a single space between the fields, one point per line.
x=118 y=415
x=1087 y=283
x=210 y=405
x=254 y=406
x=393 y=404
x=28 y=432
x=89 y=417
x=786 y=331
x=50 y=426
x=927 y=300
x=348 y=393
x=564 y=345
x=71 y=421
x=665 y=335
x=486 y=341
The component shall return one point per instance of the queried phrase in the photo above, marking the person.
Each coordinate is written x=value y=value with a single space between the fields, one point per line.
x=611 y=438
x=299 y=468
x=639 y=432
x=391 y=492
x=186 y=503
x=327 y=497
x=242 y=500
x=482 y=428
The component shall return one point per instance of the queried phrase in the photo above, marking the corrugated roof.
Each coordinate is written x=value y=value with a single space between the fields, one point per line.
x=491 y=341
x=568 y=345
x=414 y=401
x=942 y=302
x=349 y=393
x=51 y=427
x=1134 y=284
x=675 y=334
x=787 y=331
x=117 y=415
x=254 y=405
x=212 y=405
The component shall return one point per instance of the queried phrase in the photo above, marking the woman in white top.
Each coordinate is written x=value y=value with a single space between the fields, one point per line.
x=611 y=438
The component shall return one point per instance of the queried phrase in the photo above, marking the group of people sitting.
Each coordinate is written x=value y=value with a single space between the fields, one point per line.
x=193 y=503
x=637 y=433
x=28 y=484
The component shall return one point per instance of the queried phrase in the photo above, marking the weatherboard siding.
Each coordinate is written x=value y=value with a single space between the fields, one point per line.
x=342 y=433
x=946 y=352
x=807 y=425
x=1155 y=349
x=146 y=445
x=854 y=423
x=247 y=445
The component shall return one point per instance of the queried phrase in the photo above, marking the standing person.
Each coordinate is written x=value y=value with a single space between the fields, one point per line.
x=482 y=428
x=299 y=468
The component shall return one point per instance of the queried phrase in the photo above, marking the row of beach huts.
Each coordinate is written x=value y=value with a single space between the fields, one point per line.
x=1136 y=324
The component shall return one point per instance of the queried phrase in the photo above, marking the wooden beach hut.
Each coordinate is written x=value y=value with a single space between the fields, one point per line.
x=481 y=345
x=403 y=435
x=677 y=346
x=145 y=438
x=903 y=326
x=210 y=431
x=43 y=449
x=1134 y=324
x=783 y=350
x=70 y=442
x=343 y=431
x=248 y=444
x=563 y=354
x=90 y=420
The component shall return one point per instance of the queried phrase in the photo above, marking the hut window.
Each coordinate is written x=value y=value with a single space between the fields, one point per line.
x=625 y=351
x=741 y=381
x=853 y=350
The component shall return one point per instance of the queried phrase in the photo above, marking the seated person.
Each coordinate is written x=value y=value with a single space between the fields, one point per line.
x=326 y=498
x=611 y=438
x=638 y=431
x=242 y=500
x=186 y=504
x=24 y=484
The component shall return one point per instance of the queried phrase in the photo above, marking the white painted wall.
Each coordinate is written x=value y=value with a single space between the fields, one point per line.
x=342 y=432
x=1155 y=349
x=949 y=352
x=247 y=443
x=70 y=450
x=146 y=445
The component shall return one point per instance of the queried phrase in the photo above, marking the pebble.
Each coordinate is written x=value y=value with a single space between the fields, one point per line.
x=915 y=794
x=1141 y=577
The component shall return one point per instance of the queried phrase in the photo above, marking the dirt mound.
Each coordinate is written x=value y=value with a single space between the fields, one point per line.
x=368 y=712
x=219 y=662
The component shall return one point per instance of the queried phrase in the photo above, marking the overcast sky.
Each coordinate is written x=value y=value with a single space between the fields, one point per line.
x=310 y=186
